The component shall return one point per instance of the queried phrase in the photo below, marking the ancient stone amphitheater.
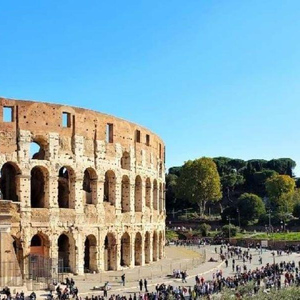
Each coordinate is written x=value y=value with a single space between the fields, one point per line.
x=80 y=190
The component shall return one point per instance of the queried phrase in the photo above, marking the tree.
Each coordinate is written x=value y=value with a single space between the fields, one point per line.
x=230 y=181
x=199 y=182
x=283 y=166
x=280 y=189
x=229 y=230
x=251 y=207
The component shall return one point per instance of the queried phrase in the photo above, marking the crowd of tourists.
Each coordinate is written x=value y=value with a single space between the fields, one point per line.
x=239 y=260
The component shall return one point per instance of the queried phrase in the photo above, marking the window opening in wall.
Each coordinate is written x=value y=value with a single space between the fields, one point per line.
x=7 y=114
x=36 y=151
x=137 y=136
x=125 y=161
x=109 y=133
x=66 y=119
x=147 y=140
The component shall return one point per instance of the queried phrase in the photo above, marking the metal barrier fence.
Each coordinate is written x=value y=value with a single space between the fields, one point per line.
x=38 y=269
x=10 y=274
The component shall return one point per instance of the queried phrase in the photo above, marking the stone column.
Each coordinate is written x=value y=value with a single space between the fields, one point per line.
x=132 y=250
x=23 y=186
x=53 y=191
x=100 y=249
x=79 y=254
x=118 y=195
x=76 y=192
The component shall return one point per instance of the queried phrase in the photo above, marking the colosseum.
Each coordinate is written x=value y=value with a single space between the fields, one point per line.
x=83 y=189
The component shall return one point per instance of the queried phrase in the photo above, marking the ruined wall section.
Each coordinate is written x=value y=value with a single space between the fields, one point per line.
x=80 y=145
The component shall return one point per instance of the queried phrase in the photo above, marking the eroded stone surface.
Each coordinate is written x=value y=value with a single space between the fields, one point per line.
x=92 y=195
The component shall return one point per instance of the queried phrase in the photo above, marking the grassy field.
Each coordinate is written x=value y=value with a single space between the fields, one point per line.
x=290 y=236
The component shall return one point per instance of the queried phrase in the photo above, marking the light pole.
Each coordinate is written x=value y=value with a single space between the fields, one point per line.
x=239 y=216
x=228 y=218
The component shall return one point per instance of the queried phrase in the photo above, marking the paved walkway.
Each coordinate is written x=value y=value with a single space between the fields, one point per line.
x=176 y=256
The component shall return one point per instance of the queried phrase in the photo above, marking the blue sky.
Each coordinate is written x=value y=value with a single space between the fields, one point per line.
x=212 y=78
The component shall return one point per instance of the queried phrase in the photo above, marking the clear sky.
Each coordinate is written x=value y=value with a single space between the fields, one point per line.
x=212 y=78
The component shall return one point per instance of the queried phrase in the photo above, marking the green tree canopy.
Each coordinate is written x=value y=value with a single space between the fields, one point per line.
x=250 y=207
x=199 y=182
x=280 y=189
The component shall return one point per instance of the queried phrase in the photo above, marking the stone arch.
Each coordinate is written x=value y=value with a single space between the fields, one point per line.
x=9 y=182
x=155 y=194
x=148 y=192
x=138 y=249
x=110 y=187
x=125 y=250
x=125 y=161
x=125 y=194
x=66 y=253
x=89 y=186
x=39 y=148
x=39 y=245
x=90 y=254
x=138 y=204
x=160 y=197
x=147 y=248
x=110 y=252
x=160 y=246
x=66 y=187
x=39 y=187
x=154 y=244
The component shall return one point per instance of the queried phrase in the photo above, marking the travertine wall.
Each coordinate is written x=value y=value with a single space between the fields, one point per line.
x=92 y=195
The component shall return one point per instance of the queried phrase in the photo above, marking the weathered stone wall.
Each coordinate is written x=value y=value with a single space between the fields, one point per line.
x=68 y=197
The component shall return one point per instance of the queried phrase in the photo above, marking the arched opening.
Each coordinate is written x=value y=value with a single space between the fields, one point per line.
x=66 y=182
x=155 y=194
x=110 y=252
x=39 y=187
x=8 y=182
x=89 y=186
x=148 y=192
x=39 y=245
x=125 y=250
x=147 y=248
x=66 y=254
x=160 y=252
x=160 y=197
x=138 y=194
x=125 y=161
x=90 y=254
x=125 y=194
x=110 y=187
x=154 y=246
x=138 y=249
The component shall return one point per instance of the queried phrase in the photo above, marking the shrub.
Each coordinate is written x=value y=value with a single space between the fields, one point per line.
x=233 y=230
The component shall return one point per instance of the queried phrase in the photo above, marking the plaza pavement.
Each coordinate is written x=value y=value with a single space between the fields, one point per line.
x=177 y=255
x=206 y=270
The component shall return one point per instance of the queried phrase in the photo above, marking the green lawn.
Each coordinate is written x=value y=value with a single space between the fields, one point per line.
x=290 y=236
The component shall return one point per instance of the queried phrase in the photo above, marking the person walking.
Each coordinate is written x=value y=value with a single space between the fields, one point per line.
x=141 y=284
x=145 y=285
x=123 y=279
